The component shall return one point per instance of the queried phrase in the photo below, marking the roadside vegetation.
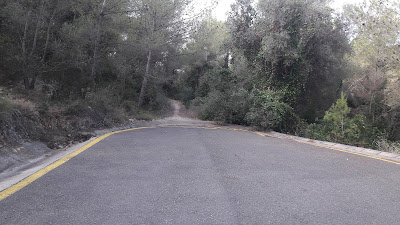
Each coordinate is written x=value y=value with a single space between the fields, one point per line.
x=298 y=67
x=291 y=66
x=68 y=67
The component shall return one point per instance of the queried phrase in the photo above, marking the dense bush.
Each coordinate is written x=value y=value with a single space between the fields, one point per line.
x=339 y=125
x=223 y=101
x=5 y=105
x=387 y=146
x=268 y=111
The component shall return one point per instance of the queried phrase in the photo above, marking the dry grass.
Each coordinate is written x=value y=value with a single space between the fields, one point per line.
x=24 y=104
x=387 y=146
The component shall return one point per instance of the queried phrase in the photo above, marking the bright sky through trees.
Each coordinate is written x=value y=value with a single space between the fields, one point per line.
x=223 y=6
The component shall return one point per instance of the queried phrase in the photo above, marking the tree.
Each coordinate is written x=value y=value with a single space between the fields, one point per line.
x=338 y=115
x=244 y=34
x=161 y=24
x=302 y=52
x=202 y=53
x=97 y=41
x=375 y=29
x=269 y=111
x=374 y=84
x=24 y=21
x=287 y=54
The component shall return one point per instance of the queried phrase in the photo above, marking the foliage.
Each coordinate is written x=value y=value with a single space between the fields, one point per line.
x=374 y=85
x=302 y=52
x=144 y=116
x=79 y=47
x=223 y=101
x=272 y=65
x=286 y=58
x=375 y=27
x=241 y=24
x=337 y=115
x=339 y=126
x=318 y=131
x=387 y=146
x=268 y=111
x=5 y=105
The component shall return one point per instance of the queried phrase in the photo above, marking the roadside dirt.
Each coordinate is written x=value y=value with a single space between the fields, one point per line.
x=15 y=167
x=29 y=154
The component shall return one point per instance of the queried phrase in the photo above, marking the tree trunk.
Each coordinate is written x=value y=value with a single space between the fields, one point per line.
x=96 y=44
x=372 y=98
x=342 y=125
x=144 y=83
x=226 y=61
x=31 y=81
x=39 y=17
x=24 y=50
x=46 y=45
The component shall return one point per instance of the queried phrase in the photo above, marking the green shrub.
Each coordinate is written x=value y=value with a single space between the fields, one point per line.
x=103 y=100
x=43 y=108
x=211 y=107
x=337 y=116
x=129 y=106
x=230 y=106
x=339 y=126
x=220 y=98
x=5 y=105
x=144 y=116
x=76 y=108
x=268 y=111
x=355 y=131
x=387 y=146
x=318 y=132
x=342 y=127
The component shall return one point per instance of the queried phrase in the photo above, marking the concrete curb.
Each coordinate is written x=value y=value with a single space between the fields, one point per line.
x=358 y=150
x=14 y=175
x=17 y=174
x=11 y=177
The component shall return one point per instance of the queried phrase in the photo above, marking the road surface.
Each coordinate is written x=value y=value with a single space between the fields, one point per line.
x=177 y=175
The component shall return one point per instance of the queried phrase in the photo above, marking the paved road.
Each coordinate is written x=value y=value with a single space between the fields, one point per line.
x=198 y=176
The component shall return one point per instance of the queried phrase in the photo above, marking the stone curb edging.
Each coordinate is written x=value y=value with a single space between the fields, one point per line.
x=393 y=157
x=364 y=151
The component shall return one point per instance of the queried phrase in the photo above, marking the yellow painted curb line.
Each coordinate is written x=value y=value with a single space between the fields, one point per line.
x=23 y=183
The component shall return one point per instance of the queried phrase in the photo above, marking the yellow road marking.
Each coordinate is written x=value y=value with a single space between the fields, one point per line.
x=16 y=187
x=261 y=134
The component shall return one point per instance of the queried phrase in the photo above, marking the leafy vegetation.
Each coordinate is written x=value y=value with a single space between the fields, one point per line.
x=295 y=66
x=92 y=63
x=290 y=66
x=269 y=111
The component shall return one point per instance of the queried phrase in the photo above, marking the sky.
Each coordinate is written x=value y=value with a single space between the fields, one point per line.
x=224 y=6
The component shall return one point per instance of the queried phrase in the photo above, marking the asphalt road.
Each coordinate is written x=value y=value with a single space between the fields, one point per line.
x=199 y=176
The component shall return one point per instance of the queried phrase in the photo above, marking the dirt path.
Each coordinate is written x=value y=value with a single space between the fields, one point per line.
x=181 y=116
x=177 y=107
